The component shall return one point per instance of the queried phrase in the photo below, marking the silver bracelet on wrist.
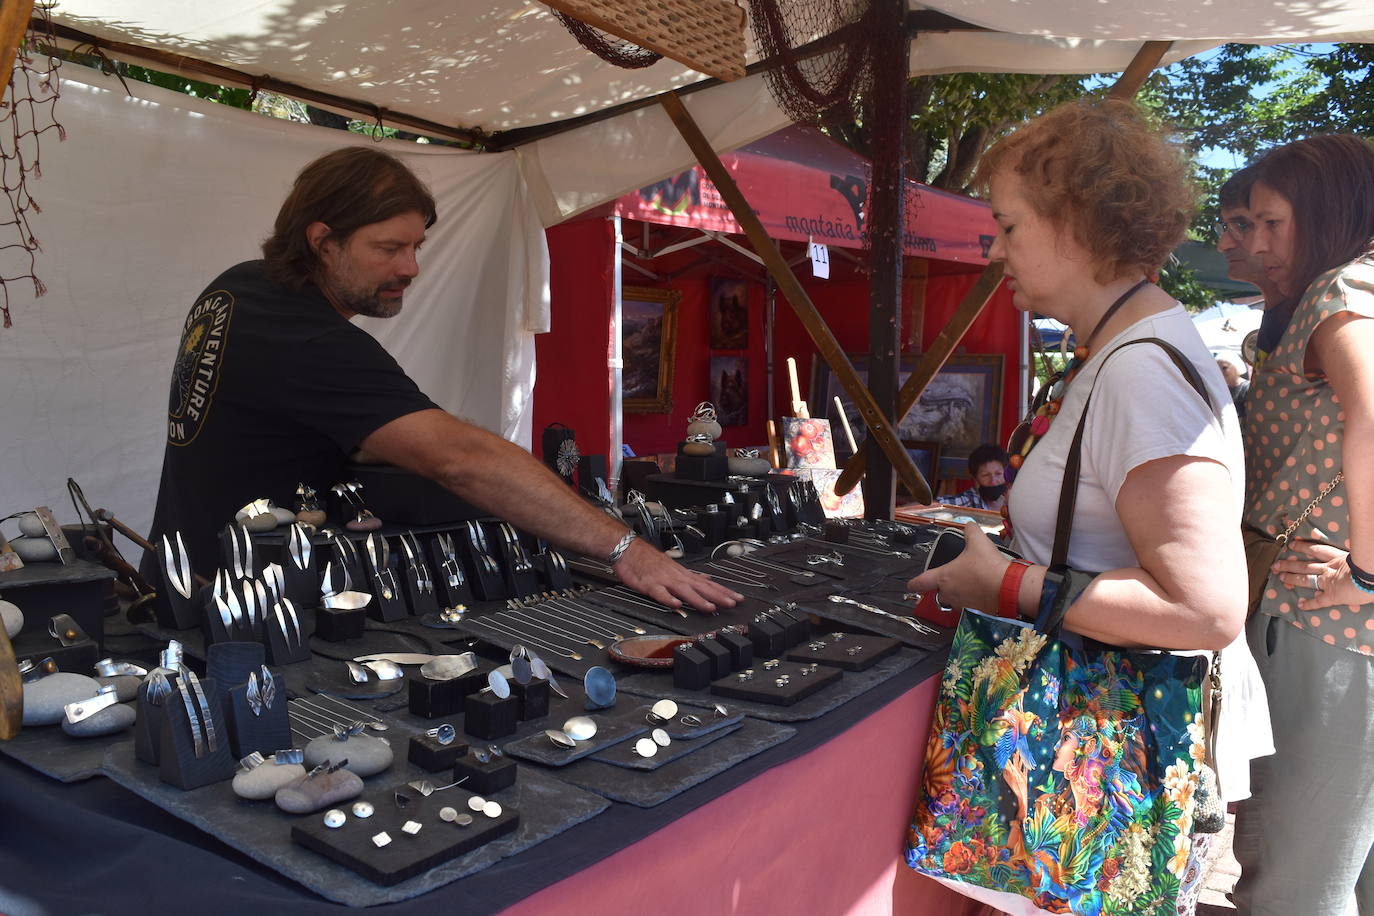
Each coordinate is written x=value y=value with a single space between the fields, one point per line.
x=620 y=547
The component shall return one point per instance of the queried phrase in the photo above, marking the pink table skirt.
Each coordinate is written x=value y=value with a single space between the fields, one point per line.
x=821 y=835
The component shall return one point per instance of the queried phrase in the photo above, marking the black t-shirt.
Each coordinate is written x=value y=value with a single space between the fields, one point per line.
x=270 y=388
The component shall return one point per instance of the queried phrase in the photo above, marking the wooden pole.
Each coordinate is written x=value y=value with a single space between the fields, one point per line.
x=880 y=427
x=970 y=307
x=886 y=220
x=14 y=23
x=1139 y=69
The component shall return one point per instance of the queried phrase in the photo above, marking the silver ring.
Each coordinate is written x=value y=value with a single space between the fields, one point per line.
x=1313 y=583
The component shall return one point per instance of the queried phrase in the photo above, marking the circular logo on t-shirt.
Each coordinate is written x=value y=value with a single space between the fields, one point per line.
x=197 y=371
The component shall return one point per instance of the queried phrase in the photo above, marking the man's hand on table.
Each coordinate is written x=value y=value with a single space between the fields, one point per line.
x=655 y=574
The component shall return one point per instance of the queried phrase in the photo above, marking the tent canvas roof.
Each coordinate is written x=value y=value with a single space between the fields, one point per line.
x=504 y=65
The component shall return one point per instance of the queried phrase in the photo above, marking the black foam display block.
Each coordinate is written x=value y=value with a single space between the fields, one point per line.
x=533 y=698
x=702 y=467
x=740 y=648
x=249 y=733
x=405 y=856
x=148 y=727
x=338 y=624
x=485 y=715
x=718 y=654
x=428 y=754
x=691 y=667
x=430 y=698
x=420 y=600
x=763 y=687
x=177 y=760
x=484 y=778
x=302 y=584
x=851 y=651
x=228 y=664
x=283 y=649
x=769 y=637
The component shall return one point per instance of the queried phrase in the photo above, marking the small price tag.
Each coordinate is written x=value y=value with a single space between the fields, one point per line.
x=820 y=260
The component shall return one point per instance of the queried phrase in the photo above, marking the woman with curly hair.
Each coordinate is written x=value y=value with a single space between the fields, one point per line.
x=1305 y=841
x=1090 y=200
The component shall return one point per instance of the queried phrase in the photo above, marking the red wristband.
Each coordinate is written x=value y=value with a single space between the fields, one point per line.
x=1008 y=604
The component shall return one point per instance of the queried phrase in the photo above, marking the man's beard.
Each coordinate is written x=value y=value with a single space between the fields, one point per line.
x=370 y=302
x=341 y=286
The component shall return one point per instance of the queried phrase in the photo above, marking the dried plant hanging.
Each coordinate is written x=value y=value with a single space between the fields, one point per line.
x=27 y=112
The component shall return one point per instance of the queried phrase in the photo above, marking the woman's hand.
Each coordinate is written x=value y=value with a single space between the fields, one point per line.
x=972 y=579
x=1321 y=570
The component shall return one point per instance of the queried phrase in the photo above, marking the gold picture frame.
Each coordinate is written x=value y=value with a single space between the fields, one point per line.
x=648 y=347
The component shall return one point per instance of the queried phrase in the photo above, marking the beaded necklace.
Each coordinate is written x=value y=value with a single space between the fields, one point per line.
x=1047 y=401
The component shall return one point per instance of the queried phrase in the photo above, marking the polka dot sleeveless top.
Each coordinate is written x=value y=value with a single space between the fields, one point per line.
x=1294 y=428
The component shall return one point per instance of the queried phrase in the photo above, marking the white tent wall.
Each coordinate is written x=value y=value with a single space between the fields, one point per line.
x=146 y=202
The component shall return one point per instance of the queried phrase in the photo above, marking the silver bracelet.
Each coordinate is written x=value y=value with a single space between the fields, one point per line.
x=620 y=547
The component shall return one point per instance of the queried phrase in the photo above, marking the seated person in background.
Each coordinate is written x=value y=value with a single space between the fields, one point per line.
x=1235 y=383
x=988 y=465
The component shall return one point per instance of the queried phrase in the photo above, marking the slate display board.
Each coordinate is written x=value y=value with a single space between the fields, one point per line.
x=547 y=807
x=659 y=685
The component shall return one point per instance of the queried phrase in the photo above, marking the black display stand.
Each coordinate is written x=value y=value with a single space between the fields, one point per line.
x=82 y=589
x=487 y=716
x=228 y=663
x=148 y=724
x=405 y=856
x=484 y=573
x=430 y=698
x=383 y=608
x=267 y=733
x=451 y=586
x=213 y=626
x=177 y=763
x=691 y=667
x=428 y=754
x=555 y=574
x=532 y=699
x=345 y=553
x=302 y=583
x=173 y=611
x=420 y=595
x=718 y=654
x=339 y=624
x=285 y=647
x=590 y=468
x=485 y=777
x=713 y=467
x=518 y=572
x=230 y=535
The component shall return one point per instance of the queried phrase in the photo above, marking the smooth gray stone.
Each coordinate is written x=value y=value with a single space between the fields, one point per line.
x=106 y=722
x=704 y=427
x=12 y=617
x=366 y=755
x=34 y=550
x=44 y=698
x=126 y=685
x=31 y=526
x=264 y=781
x=750 y=466
x=284 y=516
x=306 y=795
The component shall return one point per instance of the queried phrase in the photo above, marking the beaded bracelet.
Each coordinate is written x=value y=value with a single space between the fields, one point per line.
x=1363 y=580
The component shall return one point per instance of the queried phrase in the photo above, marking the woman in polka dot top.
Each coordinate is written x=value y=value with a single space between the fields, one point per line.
x=1305 y=838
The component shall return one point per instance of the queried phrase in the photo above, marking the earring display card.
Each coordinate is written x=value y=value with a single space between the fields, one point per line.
x=265 y=732
x=228 y=663
x=848 y=651
x=764 y=685
x=407 y=854
x=610 y=731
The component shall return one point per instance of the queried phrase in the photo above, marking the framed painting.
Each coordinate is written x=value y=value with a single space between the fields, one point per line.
x=960 y=409
x=730 y=389
x=729 y=314
x=648 y=344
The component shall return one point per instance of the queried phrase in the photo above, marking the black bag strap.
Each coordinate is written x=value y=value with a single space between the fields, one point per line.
x=1073 y=464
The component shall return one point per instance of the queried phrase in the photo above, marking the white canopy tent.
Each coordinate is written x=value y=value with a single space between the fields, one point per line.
x=151 y=196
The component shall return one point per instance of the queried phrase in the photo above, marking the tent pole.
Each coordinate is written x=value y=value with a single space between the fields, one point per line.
x=616 y=362
x=1139 y=69
x=770 y=305
x=887 y=211
x=879 y=426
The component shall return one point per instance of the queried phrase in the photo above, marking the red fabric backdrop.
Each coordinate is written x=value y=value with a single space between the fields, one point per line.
x=572 y=385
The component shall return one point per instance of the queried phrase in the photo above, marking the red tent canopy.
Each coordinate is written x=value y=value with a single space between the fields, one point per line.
x=806 y=187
